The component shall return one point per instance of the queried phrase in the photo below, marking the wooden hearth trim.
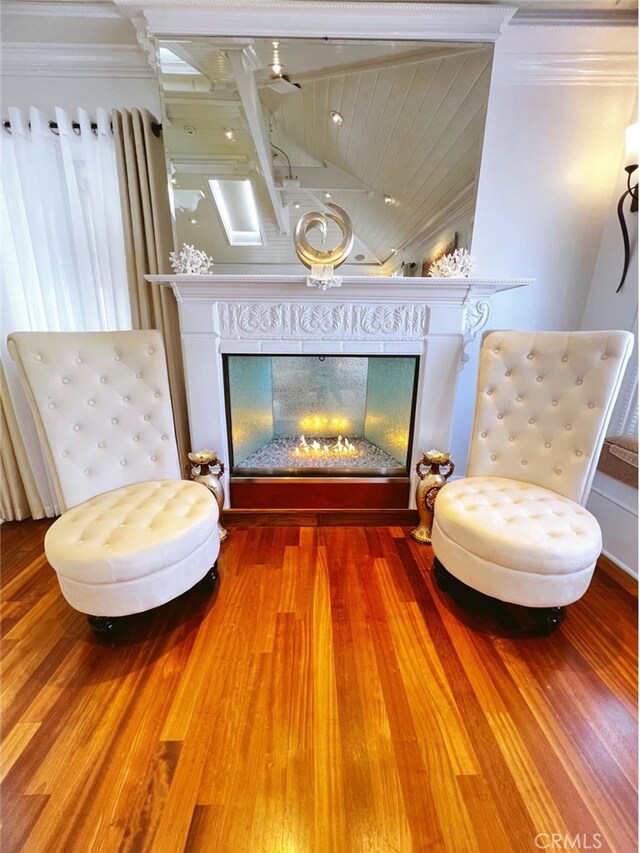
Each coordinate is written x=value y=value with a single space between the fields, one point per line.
x=239 y=518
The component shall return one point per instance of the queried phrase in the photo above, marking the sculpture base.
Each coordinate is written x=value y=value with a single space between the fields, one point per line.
x=422 y=534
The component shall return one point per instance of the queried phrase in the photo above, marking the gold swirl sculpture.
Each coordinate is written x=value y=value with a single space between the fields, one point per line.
x=307 y=253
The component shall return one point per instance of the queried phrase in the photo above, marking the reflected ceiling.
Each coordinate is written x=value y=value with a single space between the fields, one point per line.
x=404 y=156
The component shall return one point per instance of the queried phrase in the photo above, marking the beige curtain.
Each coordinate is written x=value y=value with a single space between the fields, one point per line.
x=19 y=496
x=146 y=215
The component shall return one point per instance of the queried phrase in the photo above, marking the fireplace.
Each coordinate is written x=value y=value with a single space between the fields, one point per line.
x=423 y=325
x=320 y=415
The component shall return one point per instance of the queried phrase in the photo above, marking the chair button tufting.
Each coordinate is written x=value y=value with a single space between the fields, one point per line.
x=163 y=437
x=547 y=444
x=524 y=462
x=511 y=437
x=507 y=373
x=37 y=357
x=51 y=405
x=604 y=357
x=86 y=472
x=78 y=360
x=558 y=470
x=530 y=356
x=578 y=381
x=579 y=453
x=532 y=420
x=154 y=458
x=565 y=359
x=496 y=350
x=138 y=376
x=554 y=402
x=101 y=444
x=592 y=405
x=123 y=462
x=114 y=420
x=151 y=350
x=483 y=435
x=91 y=402
x=65 y=380
x=76 y=427
x=146 y=417
x=493 y=457
x=64 y=453
x=539 y=378
x=125 y=399
x=568 y=427
x=103 y=379
x=500 y=416
x=157 y=395
x=135 y=438
x=519 y=398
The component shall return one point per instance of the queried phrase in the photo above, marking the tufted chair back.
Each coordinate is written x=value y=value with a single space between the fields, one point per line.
x=102 y=408
x=543 y=403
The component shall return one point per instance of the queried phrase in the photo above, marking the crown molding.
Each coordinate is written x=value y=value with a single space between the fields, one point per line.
x=575 y=18
x=34 y=59
x=606 y=68
x=313 y=18
x=105 y=10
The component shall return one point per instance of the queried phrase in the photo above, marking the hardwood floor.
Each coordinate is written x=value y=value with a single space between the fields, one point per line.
x=328 y=698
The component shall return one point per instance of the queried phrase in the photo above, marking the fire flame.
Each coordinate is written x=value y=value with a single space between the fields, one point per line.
x=343 y=447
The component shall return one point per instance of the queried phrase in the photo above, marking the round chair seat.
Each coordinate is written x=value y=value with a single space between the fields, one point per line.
x=134 y=548
x=517 y=525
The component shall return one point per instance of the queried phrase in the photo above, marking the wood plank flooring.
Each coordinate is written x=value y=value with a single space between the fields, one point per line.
x=327 y=698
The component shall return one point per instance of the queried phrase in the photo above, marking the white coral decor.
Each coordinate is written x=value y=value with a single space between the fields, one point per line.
x=190 y=261
x=457 y=265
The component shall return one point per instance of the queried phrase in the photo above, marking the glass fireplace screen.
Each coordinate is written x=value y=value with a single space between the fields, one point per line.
x=310 y=414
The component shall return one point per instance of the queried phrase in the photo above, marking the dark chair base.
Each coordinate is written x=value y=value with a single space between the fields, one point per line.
x=103 y=626
x=548 y=619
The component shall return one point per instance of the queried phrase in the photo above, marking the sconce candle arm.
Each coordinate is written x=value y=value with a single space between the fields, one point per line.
x=631 y=191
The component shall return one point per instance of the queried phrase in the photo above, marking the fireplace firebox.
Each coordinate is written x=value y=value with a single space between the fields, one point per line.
x=320 y=415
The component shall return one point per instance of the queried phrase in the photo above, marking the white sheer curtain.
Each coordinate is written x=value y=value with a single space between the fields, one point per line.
x=63 y=264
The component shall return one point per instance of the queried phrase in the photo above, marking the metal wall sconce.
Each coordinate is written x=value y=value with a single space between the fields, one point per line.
x=631 y=157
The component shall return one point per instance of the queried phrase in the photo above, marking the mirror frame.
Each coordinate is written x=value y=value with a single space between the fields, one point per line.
x=316 y=19
x=179 y=19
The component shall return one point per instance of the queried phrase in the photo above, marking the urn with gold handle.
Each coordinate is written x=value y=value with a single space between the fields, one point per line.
x=205 y=467
x=427 y=490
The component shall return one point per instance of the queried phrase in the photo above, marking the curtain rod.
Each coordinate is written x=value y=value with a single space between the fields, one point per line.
x=156 y=127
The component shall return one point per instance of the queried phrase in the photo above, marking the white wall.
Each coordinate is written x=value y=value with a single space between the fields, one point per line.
x=68 y=55
x=86 y=92
x=615 y=504
x=561 y=97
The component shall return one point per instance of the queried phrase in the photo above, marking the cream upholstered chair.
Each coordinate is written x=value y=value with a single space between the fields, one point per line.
x=132 y=534
x=515 y=528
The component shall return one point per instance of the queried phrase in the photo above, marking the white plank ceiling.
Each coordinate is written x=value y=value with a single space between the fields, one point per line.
x=413 y=123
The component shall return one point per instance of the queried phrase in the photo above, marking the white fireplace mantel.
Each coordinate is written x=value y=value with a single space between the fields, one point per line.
x=434 y=318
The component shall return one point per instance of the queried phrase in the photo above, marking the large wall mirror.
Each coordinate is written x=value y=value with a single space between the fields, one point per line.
x=259 y=131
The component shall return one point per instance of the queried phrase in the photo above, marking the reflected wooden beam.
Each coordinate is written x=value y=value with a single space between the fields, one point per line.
x=241 y=65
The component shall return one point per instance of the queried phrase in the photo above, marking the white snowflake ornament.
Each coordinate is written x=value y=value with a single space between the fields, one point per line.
x=190 y=261
x=457 y=265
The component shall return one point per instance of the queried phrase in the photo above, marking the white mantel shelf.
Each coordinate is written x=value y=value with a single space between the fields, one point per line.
x=433 y=318
x=271 y=288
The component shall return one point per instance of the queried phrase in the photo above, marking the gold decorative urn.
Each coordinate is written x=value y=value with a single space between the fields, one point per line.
x=205 y=467
x=427 y=490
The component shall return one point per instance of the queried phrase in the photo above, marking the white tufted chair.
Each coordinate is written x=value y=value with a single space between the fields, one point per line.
x=515 y=528
x=132 y=534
